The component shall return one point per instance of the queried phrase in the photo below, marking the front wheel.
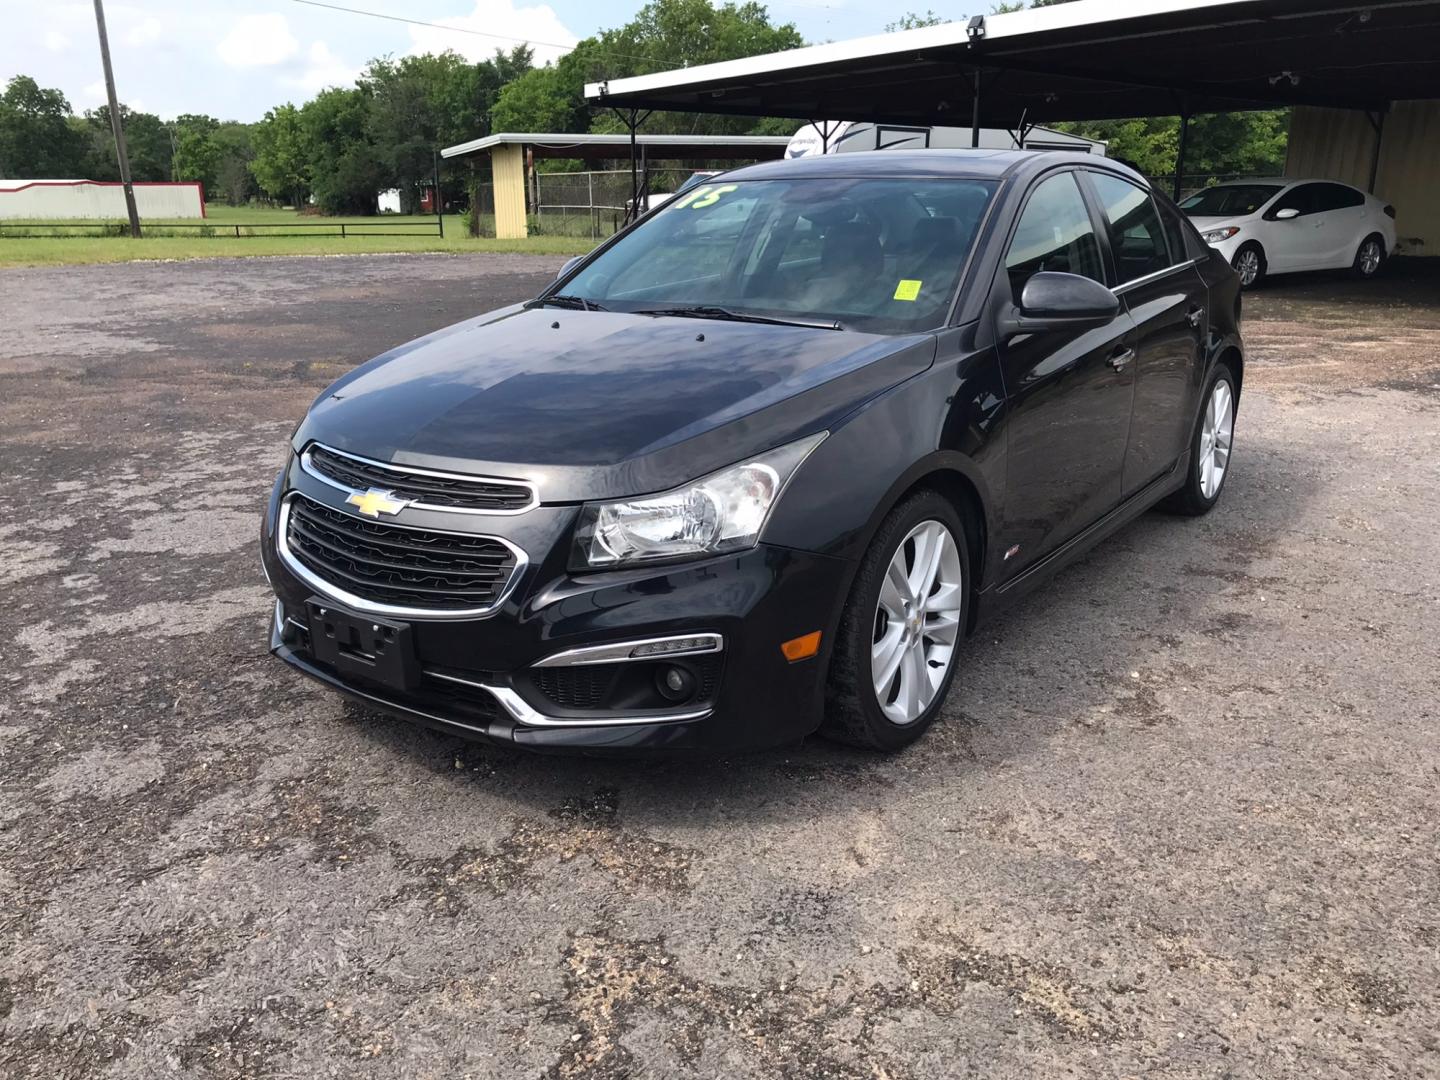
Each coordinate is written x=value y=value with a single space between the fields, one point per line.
x=1249 y=263
x=894 y=657
x=1210 y=449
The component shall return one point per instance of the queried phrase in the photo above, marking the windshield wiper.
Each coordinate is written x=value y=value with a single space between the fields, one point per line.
x=709 y=311
x=579 y=303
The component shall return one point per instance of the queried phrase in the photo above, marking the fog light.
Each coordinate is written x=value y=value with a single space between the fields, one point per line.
x=675 y=683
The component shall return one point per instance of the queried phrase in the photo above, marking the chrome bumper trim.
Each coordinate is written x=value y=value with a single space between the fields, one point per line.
x=618 y=652
x=522 y=713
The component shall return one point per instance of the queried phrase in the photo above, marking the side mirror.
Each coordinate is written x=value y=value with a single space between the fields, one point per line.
x=570 y=264
x=1287 y=214
x=1052 y=301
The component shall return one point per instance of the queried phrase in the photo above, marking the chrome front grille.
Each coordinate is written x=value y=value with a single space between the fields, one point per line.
x=395 y=569
x=426 y=489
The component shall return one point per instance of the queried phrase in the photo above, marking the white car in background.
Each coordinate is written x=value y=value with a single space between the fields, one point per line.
x=1280 y=226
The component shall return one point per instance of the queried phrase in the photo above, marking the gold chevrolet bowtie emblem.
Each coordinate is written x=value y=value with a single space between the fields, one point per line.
x=375 y=502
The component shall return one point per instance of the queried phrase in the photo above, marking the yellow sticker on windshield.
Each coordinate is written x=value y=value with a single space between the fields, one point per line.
x=712 y=196
x=908 y=289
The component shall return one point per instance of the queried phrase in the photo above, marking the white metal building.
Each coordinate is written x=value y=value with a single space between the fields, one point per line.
x=92 y=200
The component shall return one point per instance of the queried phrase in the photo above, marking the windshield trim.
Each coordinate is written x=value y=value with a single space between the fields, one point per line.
x=949 y=312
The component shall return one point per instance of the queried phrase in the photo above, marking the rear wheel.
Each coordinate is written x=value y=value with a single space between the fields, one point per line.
x=1370 y=258
x=1210 y=449
x=894 y=657
x=1249 y=263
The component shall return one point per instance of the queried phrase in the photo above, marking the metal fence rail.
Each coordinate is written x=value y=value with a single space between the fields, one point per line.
x=237 y=229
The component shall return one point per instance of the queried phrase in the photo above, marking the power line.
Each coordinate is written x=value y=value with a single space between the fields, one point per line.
x=436 y=26
x=464 y=30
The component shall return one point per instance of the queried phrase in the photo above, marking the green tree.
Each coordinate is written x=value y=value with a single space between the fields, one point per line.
x=37 y=140
x=540 y=100
x=146 y=140
x=911 y=21
x=421 y=103
x=281 y=162
x=1219 y=144
x=233 y=180
x=197 y=157
x=664 y=34
x=345 y=167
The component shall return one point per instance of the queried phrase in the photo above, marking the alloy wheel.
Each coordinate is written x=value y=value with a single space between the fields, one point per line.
x=1370 y=257
x=1248 y=265
x=1216 y=435
x=917 y=622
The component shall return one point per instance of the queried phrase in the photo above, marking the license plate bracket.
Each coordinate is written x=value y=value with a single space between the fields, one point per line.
x=363 y=646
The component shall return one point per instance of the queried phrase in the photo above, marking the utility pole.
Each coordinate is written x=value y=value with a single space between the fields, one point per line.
x=116 y=126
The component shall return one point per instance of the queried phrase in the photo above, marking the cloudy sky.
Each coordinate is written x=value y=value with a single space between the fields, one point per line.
x=236 y=58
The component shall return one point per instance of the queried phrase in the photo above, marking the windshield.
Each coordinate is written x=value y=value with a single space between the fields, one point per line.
x=881 y=255
x=1231 y=200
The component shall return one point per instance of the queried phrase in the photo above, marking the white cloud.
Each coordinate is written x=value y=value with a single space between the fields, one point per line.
x=56 y=41
x=510 y=24
x=323 y=69
x=258 y=41
x=91 y=94
x=143 y=33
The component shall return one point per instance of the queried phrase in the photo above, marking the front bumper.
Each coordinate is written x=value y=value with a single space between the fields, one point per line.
x=479 y=675
x=1227 y=248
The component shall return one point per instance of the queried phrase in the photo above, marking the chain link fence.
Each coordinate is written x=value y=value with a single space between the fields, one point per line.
x=580 y=204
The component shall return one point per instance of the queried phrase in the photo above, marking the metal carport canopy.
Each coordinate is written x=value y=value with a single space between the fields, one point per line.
x=1086 y=60
x=602 y=147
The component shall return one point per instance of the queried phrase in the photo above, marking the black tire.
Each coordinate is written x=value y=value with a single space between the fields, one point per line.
x=1191 y=500
x=852 y=709
x=1261 y=270
x=1358 y=267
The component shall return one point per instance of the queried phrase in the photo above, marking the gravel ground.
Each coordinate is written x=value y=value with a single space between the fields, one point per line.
x=1179 y=819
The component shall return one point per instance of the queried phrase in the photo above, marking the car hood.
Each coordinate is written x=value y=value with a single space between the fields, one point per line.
x=1209 y=223
x=602 y=404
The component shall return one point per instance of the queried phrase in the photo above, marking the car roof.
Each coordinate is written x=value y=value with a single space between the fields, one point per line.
x=893 y=164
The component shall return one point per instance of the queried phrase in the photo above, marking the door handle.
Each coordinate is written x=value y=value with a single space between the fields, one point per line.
x=1195 y=316
x=1119 y=359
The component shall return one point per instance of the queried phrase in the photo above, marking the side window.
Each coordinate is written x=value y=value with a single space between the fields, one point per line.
x=1174 y=231
x=1054 y=233
x=1136 y=235
x=1302 y=197
x=1338 y=197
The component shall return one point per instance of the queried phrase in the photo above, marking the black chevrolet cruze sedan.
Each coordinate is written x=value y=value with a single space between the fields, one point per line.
x=755 y=466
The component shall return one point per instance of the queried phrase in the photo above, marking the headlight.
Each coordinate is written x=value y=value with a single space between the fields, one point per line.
x=1219 y=235
x=725 y=511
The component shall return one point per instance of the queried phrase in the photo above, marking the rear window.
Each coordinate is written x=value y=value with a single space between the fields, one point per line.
x=876 y=254
x=1229 y=200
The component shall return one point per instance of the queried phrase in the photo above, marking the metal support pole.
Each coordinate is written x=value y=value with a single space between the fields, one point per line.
x=644 y=205
x=117 y=127
x=1378 y=123
x=439 y=201
x=1180 y=153
x=975 y=113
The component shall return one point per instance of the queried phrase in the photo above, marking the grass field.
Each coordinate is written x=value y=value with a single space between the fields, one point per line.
x=214 y=237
